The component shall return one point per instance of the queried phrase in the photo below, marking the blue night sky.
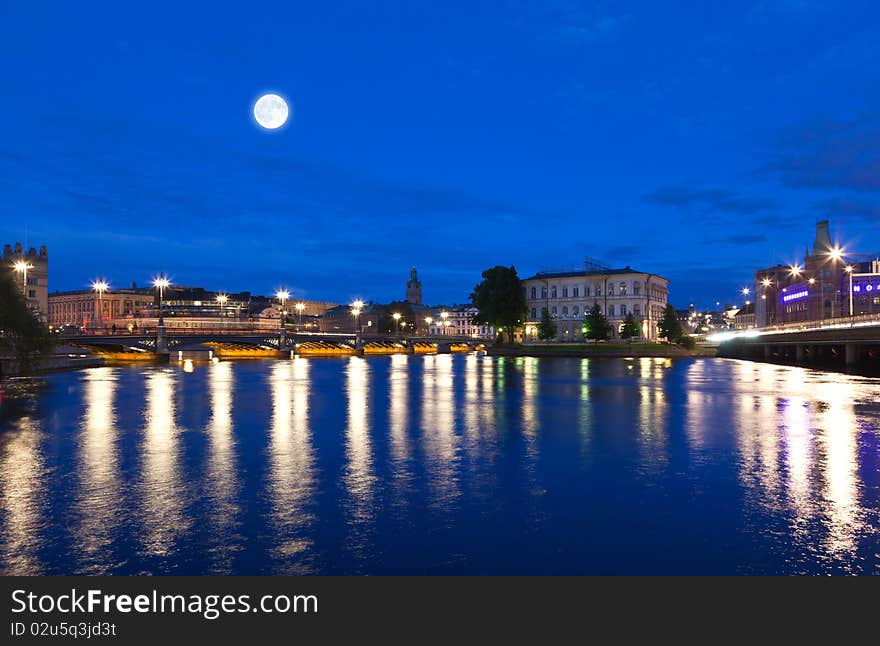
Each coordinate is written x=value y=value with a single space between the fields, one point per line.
x=692 y=141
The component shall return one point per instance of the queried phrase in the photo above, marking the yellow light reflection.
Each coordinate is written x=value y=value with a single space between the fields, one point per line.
x=292 y=465
x=162 y=511
x=358 y=477
x=222 y=473
x=398 y=411
x=99 y=494
x=22 y=489
x=439 y=439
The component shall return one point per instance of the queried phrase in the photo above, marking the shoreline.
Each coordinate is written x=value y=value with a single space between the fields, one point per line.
x=616 y=351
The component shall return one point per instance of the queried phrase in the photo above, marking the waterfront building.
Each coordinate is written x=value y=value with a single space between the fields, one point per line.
x=87 y=309
x=341 y=319
x=820 y=287
x=32 y=271
x=744 y=318
x=569 y=295
x=459 y=321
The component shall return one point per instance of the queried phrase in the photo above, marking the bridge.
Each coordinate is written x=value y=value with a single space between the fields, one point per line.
x=227 y=344
x=846 y=342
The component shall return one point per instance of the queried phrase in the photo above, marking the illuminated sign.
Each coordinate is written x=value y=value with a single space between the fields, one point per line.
x=795 y=296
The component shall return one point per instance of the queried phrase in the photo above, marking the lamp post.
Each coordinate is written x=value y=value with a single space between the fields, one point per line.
x=396 y=317
x=22 y=267
x=429 y=320
x=357 y=307
x=834 y=254
x=100 y=286
x=282 y=295
x=221 y=300
x=445 y=323
x=161 y=283
x=299 y=310
x=849 y=270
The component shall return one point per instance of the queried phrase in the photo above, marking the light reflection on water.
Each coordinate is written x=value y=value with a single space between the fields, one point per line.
x=445 y=464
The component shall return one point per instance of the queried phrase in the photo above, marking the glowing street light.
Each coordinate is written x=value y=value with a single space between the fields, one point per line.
x=812 y=281
x=835 y=253
x=444 y=322
x=849 y=269
x=100 y=286
x=396 y=317
x=299 y=310
x=794 y=271
x=161 y=283
x=766 y=282
x=282 y=295
x=222 y=300
x=22 y=267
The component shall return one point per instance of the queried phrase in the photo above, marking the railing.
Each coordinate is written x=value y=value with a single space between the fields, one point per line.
x=840 y=322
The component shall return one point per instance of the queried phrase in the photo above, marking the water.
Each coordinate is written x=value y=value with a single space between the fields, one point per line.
x=444 y=464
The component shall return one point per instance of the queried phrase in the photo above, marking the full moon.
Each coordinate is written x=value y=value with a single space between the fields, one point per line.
x=270 y=111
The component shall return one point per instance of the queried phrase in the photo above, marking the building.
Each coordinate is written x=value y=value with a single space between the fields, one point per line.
x=32 y=269
x=821 y=288
x=766 y=292
x=459 y=321
x=413 y=288
x=568 y=295
x=87 y=309
x=744 y=318
x=341 y=319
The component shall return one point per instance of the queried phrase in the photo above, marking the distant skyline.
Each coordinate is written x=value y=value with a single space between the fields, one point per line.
x=697 y=142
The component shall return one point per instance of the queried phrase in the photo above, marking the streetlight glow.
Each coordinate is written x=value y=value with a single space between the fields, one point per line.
x=745 y=291
x=795 y=270
x=766 y=282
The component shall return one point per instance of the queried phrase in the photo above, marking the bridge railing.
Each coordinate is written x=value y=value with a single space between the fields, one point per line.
x=840 y=322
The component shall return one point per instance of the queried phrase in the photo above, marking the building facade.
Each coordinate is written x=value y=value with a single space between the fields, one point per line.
x=459 y=321
x=86 y=309
x=568 y=296
x=32 y=270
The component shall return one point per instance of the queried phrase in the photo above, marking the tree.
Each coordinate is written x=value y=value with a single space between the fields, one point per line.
x=630 y=329
x=407 y=317
x=596 y=327
x=22 y=335
x=669 y=326
x=547 y=326
x=501 y=300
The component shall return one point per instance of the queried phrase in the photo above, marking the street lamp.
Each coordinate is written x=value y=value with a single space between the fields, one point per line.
x=100 y=286
x=282 y=295
x=794 y=271
x=444 y=323
x=22 y=266
x=396 y=317
x=161 y=283
x=299 y=310
x=849 y=270
x=834 y=254
x=222 y=299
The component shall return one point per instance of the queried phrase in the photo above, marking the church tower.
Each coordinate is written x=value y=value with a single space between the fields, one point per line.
x=413 y=288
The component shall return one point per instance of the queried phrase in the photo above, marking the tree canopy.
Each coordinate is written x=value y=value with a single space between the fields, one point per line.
x=669 y=326
x=407 y=317
x=22 y=335
x=596 y=326
x=631 y=329
x=501 y=300
x=547 y=326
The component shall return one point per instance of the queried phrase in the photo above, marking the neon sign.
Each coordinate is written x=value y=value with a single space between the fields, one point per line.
x=795 y=296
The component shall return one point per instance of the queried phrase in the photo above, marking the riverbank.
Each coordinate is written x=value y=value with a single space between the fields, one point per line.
x=63 y=358
x=614 y=350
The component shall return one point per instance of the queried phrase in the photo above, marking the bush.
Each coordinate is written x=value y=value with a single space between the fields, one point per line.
x=687 y=341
